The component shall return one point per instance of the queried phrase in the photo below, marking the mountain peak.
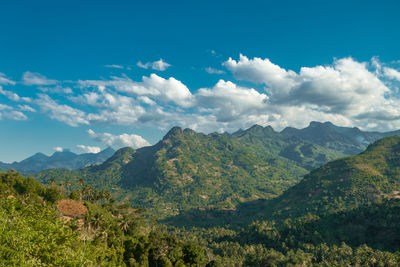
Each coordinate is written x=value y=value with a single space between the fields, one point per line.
x=258 y=129
x=319 y=124
x=175 y=131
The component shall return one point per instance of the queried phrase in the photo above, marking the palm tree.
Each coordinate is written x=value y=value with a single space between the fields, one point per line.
x=81 y=191
x=124 y=223
x=97 y=221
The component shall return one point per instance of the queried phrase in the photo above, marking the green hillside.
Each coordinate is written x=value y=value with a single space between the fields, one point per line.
x=298 y=148
x=346 y=182
x=312 y=146
x=188 y=169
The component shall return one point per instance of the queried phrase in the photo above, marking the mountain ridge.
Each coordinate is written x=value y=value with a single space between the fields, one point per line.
x=188 y=170
x=65 y=159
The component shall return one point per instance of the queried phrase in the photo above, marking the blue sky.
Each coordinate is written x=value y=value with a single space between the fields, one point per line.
x=96 y=73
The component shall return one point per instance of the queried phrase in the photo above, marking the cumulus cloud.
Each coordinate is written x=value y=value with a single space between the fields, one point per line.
x=261 y=71
x=214 y=71
x=119 y=141
x=164 y=90
x=61 y=112
x=111 y=107
x=345 y=89
x=346 y=92
x=5 y=81
x=159 y=65
x=34 y=78
x=230 y=102
x=89 y=149
x=58 y=149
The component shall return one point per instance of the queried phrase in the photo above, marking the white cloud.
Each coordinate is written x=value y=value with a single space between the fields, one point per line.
x=119 y=141
x=164 y=90
x=214 y=71
x=111 y=107
x=391 y=73
x=26 y=108
x=343 y=91
x=261 y=71
x=3 y=107
x=114 y=66
x=159 y=65
x=13 y=96
x=10 y=95
x=58 y=149
x=346 y=92
x=56 y=90
x=8 y=112
x=231 y=102
x=5 y=81
x=63 y=113
x=14 y=115
x=89 y=149
x=34 y=78
x=171 y=90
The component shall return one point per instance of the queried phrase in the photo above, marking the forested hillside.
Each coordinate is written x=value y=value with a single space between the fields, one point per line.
x=189 y=170
x=41 y=227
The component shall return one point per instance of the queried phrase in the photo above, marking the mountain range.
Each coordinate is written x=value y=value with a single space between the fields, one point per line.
x=65 y=159
x=314 y=145
x=188 y=170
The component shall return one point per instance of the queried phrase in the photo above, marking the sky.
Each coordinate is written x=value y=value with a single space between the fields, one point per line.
x=85 y=75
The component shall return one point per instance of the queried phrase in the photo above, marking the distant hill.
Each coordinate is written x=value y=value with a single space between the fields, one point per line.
x=65 y=159
x=346 y=182
x=314 y=145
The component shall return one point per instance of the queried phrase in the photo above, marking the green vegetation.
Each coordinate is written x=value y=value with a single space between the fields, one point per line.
x=222 y=201
x=344 y=213
x=310 y=147
x=35 y=233
x=189 y=170
x=345 y=183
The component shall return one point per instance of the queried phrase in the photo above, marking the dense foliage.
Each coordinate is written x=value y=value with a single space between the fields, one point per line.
x=345 y=183
x=34 y=233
